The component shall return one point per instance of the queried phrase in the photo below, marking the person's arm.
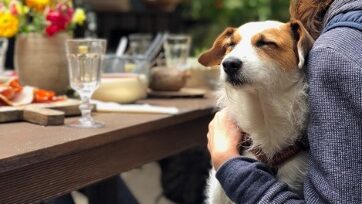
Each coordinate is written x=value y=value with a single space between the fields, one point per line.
x=335 y=136
x=248 y=181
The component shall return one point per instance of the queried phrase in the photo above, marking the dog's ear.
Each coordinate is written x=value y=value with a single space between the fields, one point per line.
x=304 y=41
x=214 y=55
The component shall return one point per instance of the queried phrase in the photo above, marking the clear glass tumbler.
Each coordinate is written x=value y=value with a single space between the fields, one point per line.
x=177 y=48
x=138 y=43
x=84 y=62
x=3 y=49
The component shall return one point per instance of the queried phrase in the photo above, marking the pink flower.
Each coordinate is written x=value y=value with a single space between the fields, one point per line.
x=58 y=19
x=13 y=7
x=52 y=30
x=66 y=10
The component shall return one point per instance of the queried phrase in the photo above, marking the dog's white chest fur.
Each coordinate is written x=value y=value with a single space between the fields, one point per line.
x=273 y=119
x=273 y=124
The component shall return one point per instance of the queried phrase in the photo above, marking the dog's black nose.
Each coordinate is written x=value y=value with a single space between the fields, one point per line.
x=232 y=65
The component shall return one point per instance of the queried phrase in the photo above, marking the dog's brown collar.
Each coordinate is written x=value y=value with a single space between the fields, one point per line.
x=278 y=158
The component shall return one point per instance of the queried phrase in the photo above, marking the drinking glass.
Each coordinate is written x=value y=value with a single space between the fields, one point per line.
x=3 y=49
x=138 y=43
x=84 y=62
x=177 y=48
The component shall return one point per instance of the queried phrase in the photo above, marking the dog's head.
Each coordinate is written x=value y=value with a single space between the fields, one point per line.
x=259 y=53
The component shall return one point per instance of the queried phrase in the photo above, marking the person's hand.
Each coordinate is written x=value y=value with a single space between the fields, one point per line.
x=223 y=139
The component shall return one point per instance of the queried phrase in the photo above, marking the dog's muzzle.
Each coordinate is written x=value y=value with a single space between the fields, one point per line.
x=233 y=68
x=232 y=65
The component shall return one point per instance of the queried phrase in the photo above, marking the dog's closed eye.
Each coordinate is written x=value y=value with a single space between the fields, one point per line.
x=261 y=41
x=265 y=42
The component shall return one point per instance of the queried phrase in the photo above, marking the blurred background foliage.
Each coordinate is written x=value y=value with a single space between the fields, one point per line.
x=213 y=16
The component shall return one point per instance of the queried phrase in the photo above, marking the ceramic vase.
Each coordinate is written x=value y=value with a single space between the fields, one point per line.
x=40 y=61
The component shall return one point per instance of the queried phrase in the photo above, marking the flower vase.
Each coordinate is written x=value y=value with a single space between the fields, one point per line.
x=40 y=61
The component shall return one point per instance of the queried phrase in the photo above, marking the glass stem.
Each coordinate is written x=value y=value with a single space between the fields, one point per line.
x=86 y=108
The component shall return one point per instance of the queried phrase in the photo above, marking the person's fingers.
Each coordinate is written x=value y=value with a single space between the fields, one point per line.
x=223 y=117
x=211 y=124
x=209 y=142
x=209 y=137
x=217 y=115
x=222 y=113
x=226 y=117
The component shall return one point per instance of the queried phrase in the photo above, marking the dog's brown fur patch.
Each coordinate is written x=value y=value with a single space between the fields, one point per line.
x=280 y=47
x=222 y=45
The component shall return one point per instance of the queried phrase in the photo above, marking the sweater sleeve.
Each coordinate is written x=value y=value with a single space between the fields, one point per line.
x=335 y=137
x=248 y=181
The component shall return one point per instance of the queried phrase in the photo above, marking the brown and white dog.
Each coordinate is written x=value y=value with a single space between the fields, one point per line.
x=264 y=89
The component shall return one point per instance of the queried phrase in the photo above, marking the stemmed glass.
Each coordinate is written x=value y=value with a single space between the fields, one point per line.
x=84 y=63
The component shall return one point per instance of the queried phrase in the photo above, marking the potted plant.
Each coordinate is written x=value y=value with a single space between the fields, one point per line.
x=41 y=28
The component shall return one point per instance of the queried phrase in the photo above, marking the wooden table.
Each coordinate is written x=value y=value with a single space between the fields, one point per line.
x=38 y=163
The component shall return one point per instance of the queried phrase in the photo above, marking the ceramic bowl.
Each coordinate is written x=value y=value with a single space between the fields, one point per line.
x=122 y=88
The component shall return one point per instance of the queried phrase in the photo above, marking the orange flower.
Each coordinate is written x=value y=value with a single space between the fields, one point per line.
x=9 y=24
x=38 y=5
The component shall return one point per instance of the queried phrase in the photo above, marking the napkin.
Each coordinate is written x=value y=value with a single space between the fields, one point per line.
x=133 y=108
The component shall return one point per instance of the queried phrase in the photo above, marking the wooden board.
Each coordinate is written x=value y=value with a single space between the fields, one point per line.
x=41 y=113
x=183 y=93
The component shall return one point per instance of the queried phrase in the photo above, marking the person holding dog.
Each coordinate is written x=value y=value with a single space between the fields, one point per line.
x=335 y=126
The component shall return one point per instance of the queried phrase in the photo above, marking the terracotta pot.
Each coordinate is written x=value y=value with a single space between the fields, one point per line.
x=40 y=61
